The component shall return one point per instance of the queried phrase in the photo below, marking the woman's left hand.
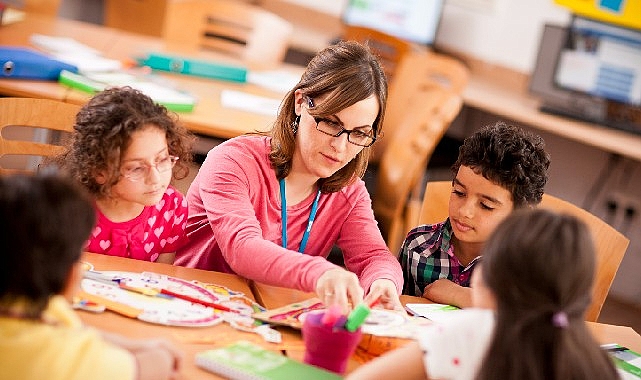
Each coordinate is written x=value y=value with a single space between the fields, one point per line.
x=386 y=290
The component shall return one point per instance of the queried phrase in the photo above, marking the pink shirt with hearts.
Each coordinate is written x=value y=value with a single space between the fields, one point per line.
x=158 y=229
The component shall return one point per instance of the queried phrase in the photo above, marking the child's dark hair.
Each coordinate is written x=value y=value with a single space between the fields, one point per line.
x=540 y=267
x=46 y=221
x=509 y=157
x=103 y=132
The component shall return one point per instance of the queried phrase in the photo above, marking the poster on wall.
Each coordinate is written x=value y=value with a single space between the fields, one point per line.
x=620 y=12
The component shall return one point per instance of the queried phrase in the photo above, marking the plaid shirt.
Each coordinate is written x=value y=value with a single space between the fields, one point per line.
x=427 y=255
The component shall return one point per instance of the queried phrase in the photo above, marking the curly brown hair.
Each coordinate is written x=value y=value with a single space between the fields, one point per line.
x=103 y=131
x=510 y=157
x=344 y=73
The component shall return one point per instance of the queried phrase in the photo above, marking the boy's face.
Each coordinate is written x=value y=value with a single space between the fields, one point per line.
x=477 y=206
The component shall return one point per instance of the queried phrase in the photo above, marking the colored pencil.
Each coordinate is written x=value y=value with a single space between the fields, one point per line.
x=196 y=300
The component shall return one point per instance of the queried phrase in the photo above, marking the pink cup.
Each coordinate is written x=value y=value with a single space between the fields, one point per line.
x=328 y=347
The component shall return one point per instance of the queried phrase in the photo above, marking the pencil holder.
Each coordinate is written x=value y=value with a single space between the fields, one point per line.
x=328 y=346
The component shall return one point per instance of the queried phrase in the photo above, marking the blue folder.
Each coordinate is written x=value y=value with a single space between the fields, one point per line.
x=24 y=63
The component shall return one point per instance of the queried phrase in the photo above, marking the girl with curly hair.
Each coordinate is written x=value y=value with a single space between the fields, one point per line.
x=124 y=150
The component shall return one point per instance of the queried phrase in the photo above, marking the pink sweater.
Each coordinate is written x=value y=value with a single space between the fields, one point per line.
x=234 y=224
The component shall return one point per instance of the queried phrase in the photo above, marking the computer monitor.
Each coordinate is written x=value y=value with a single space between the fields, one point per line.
x=413 y=20
x=602 y=60
x=561 y=94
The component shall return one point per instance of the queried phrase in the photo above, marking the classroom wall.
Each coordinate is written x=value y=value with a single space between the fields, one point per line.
x=507 y=33
x=504 y=32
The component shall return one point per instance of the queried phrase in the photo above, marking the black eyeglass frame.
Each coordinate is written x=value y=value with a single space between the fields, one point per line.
x=318 y=120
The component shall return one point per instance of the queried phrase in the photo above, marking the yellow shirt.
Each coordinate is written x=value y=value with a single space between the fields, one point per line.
x=65 y=350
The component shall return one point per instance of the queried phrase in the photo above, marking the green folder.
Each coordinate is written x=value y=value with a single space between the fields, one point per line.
x=188 y=66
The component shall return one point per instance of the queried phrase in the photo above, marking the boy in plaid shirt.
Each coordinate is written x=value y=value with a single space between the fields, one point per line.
x=500 y=168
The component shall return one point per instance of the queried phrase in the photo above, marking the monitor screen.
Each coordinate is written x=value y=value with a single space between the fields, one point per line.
x=602 y=60
x=412 y=20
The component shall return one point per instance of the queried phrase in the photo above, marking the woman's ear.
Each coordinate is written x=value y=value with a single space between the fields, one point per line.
x=298 y=102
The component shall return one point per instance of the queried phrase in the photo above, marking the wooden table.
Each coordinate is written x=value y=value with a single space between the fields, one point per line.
x=193 y=340
x=504 y=93
x=209 y=118
x=274 y=296
x=603 y=333
x=190 y=340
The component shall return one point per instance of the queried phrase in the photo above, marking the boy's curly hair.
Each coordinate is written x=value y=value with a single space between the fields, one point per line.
x=103 y=131
x=510 y=157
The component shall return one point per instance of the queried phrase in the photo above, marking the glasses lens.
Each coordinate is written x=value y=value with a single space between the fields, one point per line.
x=166 y=163
x=334 y=129
x=360 y=138
x=328 y=127
x=138 y=172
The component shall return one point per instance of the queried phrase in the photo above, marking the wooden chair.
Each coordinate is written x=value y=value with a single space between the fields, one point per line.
x=403 y=164
x=236 y=28
x=46 y=7
x=610 y=244
x=418 y=71
x=389 y=49
x=26 y=127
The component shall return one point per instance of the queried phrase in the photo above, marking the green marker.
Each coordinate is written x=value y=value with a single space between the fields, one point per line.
x=356 y=318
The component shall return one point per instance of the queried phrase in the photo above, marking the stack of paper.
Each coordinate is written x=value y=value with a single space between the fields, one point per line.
x=70 y=51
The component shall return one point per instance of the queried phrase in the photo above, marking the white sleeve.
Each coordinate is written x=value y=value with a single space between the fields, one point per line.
x=454 y=349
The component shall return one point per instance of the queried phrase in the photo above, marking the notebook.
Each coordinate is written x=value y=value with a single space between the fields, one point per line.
x=247 y=361
x=169 y=97
x=628 y=362
x=432 y=311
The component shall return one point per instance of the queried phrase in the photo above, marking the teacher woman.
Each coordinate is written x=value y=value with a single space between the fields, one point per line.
x=270 y=206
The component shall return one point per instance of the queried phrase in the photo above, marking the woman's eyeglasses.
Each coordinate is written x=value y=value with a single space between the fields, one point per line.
x=334 y=129
x=139 y=171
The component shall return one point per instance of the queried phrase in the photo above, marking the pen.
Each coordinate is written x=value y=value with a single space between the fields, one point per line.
x=198 y=301
x=375 y=302
x=100 y=277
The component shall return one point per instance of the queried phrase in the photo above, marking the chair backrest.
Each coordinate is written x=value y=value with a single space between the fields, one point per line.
x=610 y=247
x=27 y=127
x=403 y=164
x=236 y=28
x=418 y=71
x=610 y=244
x=47 y=7
x=389 y=49
x=436 y=200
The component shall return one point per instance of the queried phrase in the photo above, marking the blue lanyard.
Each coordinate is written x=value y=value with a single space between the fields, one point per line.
x=283 y=214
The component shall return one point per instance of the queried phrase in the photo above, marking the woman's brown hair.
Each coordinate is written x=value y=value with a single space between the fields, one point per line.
x=540 y=267
x=343 y=74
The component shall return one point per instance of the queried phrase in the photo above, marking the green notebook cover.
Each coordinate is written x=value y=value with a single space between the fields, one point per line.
x=628 y=362
x=247 y=361
x=189 y=66
x=173 y=99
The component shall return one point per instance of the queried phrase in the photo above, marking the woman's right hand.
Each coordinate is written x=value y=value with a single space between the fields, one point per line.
x=339 y=287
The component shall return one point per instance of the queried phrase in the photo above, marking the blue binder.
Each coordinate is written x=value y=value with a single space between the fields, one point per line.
x=25 y=63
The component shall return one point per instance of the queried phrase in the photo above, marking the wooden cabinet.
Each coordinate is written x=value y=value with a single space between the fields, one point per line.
x=138 y=16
